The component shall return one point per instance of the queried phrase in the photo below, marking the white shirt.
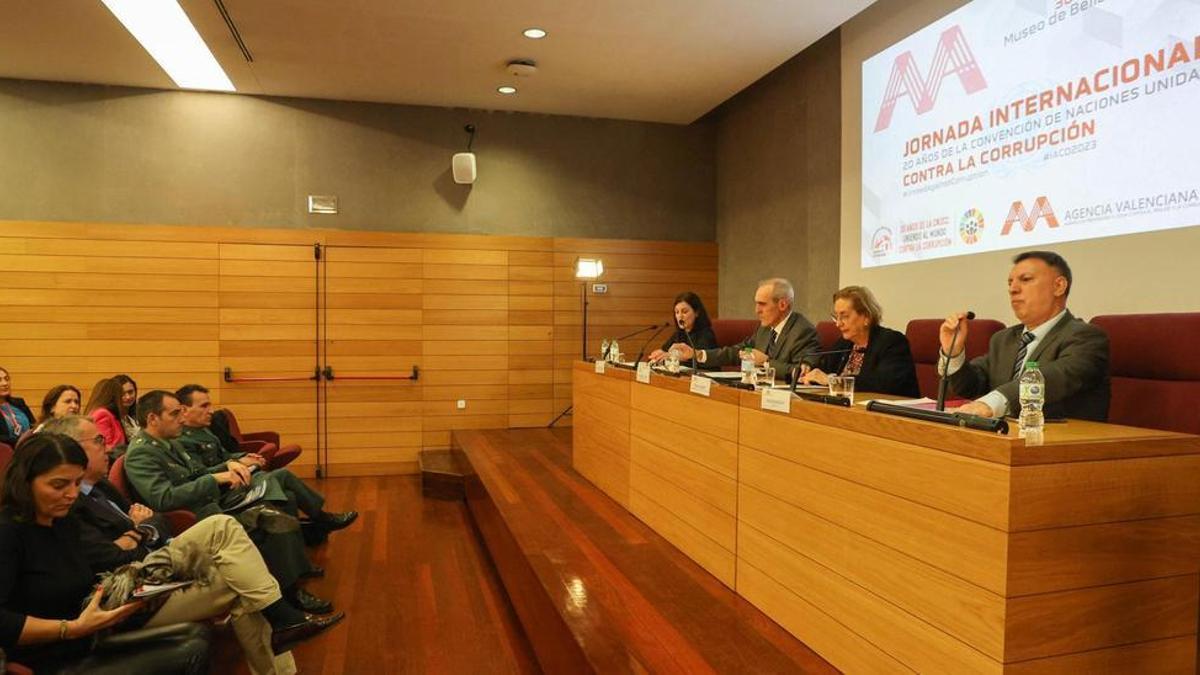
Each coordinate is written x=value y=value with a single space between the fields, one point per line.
x=998 y=401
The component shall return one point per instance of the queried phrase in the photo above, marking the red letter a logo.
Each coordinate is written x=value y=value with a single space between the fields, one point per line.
x=952 y=57
x=1041 y=209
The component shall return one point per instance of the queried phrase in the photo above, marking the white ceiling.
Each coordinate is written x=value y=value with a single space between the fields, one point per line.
x=652 y=60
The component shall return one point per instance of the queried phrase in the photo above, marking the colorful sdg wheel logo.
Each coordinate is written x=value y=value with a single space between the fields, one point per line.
x=970 y=226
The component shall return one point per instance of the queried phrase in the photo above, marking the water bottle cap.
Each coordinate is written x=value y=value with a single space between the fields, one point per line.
x=1031 y=364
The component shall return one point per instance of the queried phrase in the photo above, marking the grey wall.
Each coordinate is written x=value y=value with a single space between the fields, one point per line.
x=778 y=180
x=111 y=154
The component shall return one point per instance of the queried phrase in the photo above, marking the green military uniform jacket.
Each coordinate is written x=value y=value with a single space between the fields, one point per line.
x=203 y=445
x=168 y=478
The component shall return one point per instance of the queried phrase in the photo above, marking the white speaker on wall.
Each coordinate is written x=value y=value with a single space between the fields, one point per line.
x=463 y=167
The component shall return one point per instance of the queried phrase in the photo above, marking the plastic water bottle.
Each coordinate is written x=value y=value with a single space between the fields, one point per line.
x=747 y=366
x=1033 y=396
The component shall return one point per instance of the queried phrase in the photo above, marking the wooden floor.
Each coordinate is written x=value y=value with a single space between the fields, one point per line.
x=419 y=591
x=597 y=581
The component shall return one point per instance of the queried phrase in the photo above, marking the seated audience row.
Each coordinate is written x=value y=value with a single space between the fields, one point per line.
x=74 y=524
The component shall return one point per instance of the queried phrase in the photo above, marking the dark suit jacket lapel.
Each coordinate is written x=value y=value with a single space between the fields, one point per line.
x=1052 y=337
x=783 y=335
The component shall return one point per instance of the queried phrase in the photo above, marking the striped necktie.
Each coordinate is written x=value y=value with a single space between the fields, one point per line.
x=1019 y=365
x=771 y=342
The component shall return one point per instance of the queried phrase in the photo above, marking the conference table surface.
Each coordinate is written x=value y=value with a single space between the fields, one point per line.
x=893 y=544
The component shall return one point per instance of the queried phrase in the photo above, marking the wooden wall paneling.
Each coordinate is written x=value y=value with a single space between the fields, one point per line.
x=531 y=338
x=372 y=323
x=80 y=307
x=600 y=446
x=267 y=322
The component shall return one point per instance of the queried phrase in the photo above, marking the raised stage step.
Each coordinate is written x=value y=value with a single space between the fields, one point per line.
x=594 y=588
x=441 y=474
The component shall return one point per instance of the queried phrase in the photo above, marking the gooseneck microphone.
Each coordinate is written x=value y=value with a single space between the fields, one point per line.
x=690 y=344
x=944 y=365
x=642 y=351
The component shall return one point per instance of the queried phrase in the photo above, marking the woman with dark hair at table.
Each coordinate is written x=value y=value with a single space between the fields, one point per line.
x=60 y=401
x=692 y=326
x=16 y=416
x=878 y=358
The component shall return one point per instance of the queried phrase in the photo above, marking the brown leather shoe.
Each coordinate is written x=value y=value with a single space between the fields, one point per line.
x=283 y=639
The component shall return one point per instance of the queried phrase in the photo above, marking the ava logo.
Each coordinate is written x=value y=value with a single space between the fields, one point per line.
x=952 y=57
x=970 y=226
x=1027 y=221
x=881 y=242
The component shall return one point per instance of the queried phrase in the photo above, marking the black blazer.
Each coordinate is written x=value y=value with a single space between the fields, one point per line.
x=703 y=338
x=99 y=525
x=9 y=436
x=887 y=366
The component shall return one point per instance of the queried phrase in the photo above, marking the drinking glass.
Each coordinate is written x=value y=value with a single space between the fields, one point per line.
x=673 y=361
x=767 y=379
x=842 y=385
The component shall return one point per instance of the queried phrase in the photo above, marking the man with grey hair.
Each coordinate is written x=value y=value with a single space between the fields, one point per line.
x=783 y=340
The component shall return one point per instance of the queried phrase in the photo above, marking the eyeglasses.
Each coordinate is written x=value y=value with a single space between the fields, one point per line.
x=98 y=439
x=839 y=319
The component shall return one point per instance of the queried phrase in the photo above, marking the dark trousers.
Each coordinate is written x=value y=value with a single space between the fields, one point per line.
x=301 y=497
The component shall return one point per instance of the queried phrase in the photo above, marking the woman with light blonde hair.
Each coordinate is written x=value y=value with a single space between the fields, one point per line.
x=878 y=358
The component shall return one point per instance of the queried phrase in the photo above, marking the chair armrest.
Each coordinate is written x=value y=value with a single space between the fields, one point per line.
x=16 y=669
x=180 y=520
x=268 y=436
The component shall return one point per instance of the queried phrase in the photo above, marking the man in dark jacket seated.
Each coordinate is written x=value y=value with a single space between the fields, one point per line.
x=164 y=475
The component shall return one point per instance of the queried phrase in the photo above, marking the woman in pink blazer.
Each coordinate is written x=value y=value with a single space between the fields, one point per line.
x=104 y=407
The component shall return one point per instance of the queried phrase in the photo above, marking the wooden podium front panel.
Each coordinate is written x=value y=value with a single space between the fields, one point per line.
x=683 y=473
x=894 y=545
x=600 y=430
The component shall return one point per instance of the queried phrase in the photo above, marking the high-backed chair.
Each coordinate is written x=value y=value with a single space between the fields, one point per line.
x=265 y=443
x=923 y=339
x=180 y=519
x=1155 y=369
x=6 y=455
x=733 y=331
x=828 y=333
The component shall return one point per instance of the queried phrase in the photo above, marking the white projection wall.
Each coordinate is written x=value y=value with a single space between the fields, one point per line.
x=1025 y=123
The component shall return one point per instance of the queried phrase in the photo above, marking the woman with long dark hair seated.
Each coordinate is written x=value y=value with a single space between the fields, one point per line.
x=104 y=407
x=129 y=396
x=878 y=358
x=692 y=326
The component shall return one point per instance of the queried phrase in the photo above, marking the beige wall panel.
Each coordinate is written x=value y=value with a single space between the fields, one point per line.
x=500 y=332
x=258 y=284
x=89 y=264
x=918 y=645
x=969 y=612
x=1055 y=559
x=967 y=549
x=1124 y=489
x=1173 y=655
x=959 y=485
x=372 y=254
x=668 y=521
x=465 y=272
x=696 y=412
x=374 y=285
x=444 y=377
x=674 y=466
x=448 y=287
x=671 y=492
x=336 y=270
x=846 y=650
x=267 y=253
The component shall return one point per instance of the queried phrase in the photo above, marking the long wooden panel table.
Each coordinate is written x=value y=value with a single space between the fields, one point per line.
x=895 y=545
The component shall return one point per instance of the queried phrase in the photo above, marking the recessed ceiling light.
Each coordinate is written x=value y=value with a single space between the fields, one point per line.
x=534 y=33
x=165 y=31
x=506 y=90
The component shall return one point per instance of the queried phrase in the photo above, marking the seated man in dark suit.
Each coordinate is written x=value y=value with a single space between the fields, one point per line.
x=1072 y=354
x=205 y=447
x=783 y=339
x=167 y=478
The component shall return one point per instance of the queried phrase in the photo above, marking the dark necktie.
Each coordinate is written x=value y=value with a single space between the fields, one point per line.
x=1019 y=365
x=771 y=342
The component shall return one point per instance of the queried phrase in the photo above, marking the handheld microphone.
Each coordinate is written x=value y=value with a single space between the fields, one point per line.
x=944 y=365
x=642 y=352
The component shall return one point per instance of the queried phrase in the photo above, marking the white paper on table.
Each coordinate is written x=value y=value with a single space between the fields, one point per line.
x=779 y=400
x=701 y=385
x=723 y=375
x=600 y=366
x=643 y=372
